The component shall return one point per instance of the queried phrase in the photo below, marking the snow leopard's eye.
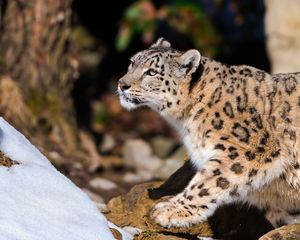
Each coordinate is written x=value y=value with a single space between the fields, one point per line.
x=151 y=72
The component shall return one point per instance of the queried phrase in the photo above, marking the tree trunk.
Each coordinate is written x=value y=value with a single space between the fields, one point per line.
x=282 y=23
x=37 y=70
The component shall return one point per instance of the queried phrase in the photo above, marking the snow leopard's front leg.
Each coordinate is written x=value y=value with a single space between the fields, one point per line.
x=217 y=183
x=176 y=183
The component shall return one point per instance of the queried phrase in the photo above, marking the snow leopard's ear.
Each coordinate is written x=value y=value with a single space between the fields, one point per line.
x=189 y=61
x=161 y=42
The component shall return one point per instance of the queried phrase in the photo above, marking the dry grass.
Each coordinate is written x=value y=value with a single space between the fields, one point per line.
x=12 y=105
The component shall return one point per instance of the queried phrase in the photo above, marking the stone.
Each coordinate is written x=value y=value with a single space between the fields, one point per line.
x=150 y=235
x=102 y=183
x=117 y=235
x=162 y=146
x=288 y=232
x=171 y=164
x=132 y=209
x=141 y=176
x=107 y=144
x=138 y=154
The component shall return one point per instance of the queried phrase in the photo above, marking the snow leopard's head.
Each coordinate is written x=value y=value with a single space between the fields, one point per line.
x=157 y=77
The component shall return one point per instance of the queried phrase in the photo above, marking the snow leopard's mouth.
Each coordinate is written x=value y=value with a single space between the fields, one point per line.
x=130 y=102
x=131 y=99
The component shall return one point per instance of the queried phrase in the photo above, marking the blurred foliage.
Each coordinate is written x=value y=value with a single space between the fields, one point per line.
x=82 y=37
x=187 y=17
x=88 y=49
x=101 y=115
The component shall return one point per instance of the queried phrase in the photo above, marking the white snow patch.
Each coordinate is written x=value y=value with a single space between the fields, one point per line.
x=39 y=203
x=14 y=145
x=127 y=234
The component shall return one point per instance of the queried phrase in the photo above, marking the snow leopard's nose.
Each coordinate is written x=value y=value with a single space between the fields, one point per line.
x=123 y=85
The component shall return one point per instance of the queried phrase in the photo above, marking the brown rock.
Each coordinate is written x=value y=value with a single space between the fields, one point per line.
x=117 y=235
x=150 y=235
x=289 y=232
x=133 y=210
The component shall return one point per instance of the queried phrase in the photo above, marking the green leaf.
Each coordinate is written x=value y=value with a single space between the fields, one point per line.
x=123 y=38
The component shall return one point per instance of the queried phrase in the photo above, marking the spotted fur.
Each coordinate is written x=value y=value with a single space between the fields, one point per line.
x=239 y=124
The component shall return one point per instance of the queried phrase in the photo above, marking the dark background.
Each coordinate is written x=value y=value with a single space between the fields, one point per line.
x=239 y=26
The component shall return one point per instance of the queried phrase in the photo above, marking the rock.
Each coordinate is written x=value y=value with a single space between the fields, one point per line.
x=206 y=238
x=289 y=232
x=133 y=208
x=123 y=233
x=102 y=183
x=171 y=164
x=162 y=146
x=107 y=144
x=132 y=211
x=117 y=235
x=132 y=177
x=150 y=235
x=180 y=153
x=54 y=154
x=96 y=199
x=138 y=154
x=282 y=23
x=137 y=177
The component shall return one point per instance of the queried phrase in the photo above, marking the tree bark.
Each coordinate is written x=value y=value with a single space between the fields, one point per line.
x=282 y=23
x=37 y=69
